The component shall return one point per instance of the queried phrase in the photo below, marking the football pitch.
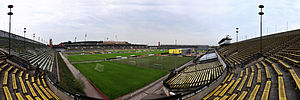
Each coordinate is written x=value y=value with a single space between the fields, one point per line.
x=117 y=78
x=157 y=62
x=90 y=57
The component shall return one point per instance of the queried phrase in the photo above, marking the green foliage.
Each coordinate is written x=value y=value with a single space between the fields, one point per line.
x=68 y=81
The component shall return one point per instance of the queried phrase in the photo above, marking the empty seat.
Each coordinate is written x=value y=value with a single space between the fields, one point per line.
x=265 y=95
x=281 y=89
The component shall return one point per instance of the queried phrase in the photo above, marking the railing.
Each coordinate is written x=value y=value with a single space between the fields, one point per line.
x=73 y=95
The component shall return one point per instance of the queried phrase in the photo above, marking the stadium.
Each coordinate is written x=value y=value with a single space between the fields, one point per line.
x=265 y=67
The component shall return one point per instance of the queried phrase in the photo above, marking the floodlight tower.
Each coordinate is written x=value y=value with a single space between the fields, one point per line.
x=24 y=38
x=261 y=13
x=9 y=31
x=237 y=38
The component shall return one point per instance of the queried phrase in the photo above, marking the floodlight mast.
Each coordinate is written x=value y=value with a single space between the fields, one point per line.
x=261 y=13
x=9 y=31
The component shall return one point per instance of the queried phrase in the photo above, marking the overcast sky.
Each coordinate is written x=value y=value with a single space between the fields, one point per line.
x=148 y=21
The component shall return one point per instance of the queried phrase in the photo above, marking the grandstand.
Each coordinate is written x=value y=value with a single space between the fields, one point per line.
x=18 y=78
x=195 y=76
x=18 y=83
x=97 y=45
x=274 y=74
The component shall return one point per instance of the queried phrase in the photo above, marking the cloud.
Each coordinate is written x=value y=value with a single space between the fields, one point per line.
x=147 y=21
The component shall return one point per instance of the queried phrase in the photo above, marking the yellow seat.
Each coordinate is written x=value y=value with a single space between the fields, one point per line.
x=242 y=96
x=226 y=89
x=265 y=95
x=258 y=76
x=281 y=89
x=232 y=97
x=29 y=97
x=295 y=78
x=234 y=86
x=242 y=83
x=39 y=91
x=254 y=92
x=19 y=96
x=22 y=85
x=224 y=97
x=219 y=91
x=7 y=93
x=250 y=80
x=212 y=93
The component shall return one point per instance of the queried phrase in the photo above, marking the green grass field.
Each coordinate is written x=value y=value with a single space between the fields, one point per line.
x=115 y=51
x=157 y=62
x=118 y=79
x=75 y=58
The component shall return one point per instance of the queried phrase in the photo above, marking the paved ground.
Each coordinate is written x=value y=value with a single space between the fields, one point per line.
x=88 y=89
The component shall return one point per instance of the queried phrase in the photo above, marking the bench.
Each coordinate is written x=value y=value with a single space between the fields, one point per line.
x=226 y=89
x=7 y=93
x=38 y=98
x=250 y=80
x=21 y=74
x=234 y=86
x=32 y=79
x=278 y=72
x=44 y=83
x=19 y=96
x=26 y=77
x=254 y=93
x=258 y=66
x=242 y=84
x=295 y=78
x=219 y=91
x=265 y=95
x=232 y=97
x=241 y=74
x=224 y=97
x=267 y=70
x=15 y=71
x=212 y=93
x=242 y=96
x=230 y=77
x=281 y=89
x=258 y=81
x=31 y=89
x=216 y=98
x=46 y=92
x=39 y=91
x=22 y=85
x=284 y=64
x=53 y=95
x=252 y=69
x=5 y=78
x=14 y=82
x=247 y=71
x=29 y=97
